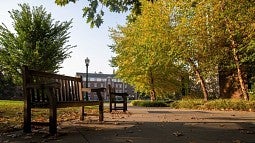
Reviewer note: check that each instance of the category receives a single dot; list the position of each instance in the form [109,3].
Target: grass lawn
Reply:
[11,114]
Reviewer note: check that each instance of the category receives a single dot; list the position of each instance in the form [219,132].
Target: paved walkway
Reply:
[151,125]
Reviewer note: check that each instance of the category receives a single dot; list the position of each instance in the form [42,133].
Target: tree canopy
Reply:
[37,42]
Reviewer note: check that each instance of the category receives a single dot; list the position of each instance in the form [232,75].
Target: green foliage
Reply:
[37,42]
[146,103]
[188,104]
[94,14]
[218,104]
[143,52]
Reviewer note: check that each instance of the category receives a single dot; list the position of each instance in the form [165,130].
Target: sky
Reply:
[91,43]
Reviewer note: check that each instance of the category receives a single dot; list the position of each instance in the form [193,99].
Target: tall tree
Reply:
[37,42]
[234,24]
[144,56]
[192,39]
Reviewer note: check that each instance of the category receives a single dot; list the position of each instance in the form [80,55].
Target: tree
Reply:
[144,56]
[234,24]
[94,15]
[192,41]
[37,42]
[219,29]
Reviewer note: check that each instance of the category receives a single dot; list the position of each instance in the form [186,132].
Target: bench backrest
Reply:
[65,88]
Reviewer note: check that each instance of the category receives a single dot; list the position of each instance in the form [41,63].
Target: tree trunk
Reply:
[239,72]
[152,91]
[203,86]
[153,95]
[201,79]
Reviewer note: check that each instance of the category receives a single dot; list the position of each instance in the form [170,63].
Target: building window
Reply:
[95,84]
[91,79]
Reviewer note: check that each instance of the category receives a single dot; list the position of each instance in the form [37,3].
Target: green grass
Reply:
[11,114]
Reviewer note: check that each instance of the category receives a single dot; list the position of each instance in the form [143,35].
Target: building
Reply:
[98,80]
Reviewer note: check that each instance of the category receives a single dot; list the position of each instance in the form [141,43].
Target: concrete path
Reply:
[150,125]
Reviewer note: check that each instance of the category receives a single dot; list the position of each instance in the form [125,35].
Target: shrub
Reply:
[219,104]
[188,104]
[147,103]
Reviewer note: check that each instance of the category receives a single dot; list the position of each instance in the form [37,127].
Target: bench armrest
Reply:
[97,90]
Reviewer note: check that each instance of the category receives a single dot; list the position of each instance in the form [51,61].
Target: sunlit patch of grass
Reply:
[11,115]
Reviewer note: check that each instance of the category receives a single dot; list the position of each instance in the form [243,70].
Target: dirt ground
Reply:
[149,125]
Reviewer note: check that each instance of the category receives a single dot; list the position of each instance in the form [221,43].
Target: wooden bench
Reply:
[118,101]
[52,91]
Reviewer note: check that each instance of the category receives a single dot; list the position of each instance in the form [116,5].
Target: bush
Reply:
[188,104]
[219,104]
[146,103]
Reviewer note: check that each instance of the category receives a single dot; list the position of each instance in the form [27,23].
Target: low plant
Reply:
[217,104]
[148,103]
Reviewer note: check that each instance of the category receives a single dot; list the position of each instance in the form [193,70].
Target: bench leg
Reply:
[27,119]
[53,121]
[82,113]
[27,113]
[124,107]
[101,111]
[110,106]
[115,106]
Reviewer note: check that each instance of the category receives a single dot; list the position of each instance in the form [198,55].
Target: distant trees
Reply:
[38,42]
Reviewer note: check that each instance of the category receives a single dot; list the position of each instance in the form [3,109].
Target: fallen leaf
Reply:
[222,125]
[177,134]
[236,141]
[129,141]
